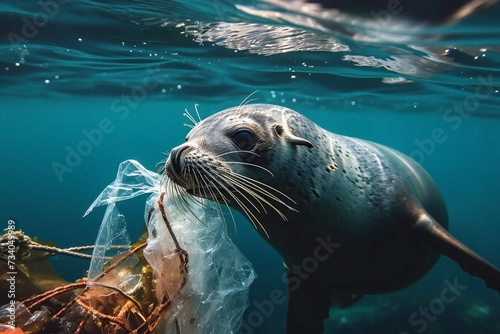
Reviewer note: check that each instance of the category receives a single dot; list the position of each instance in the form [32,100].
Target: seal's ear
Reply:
[298,141]
[294,140]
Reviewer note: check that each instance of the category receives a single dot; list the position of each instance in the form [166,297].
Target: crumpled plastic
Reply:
[215,295]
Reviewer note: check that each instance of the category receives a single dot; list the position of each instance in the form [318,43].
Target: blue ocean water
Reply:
[86,85]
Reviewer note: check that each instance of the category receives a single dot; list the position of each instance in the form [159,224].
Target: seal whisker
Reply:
[243,184]
[253,188]
[196,105]
[251,216]
[191,178]
[200,187]
[215,179]
[162,161]
[175,193]
[247,100]
[237,151]
[190,117]
[212,196]
[261,188]
[253,219]
[224,199]
[229,191]
[179,197]
[180,200]
[163,177]
[245,209]
[250,164]
[187,208]
[161,170]
[197,185]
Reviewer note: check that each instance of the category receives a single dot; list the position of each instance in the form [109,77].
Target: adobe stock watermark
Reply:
[10,258]
[121,107]
[30,26]
[453,118]
[293,277]
[420,319]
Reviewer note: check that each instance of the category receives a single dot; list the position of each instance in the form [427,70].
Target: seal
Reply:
[349,217]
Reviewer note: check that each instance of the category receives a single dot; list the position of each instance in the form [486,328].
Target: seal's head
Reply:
[228,158]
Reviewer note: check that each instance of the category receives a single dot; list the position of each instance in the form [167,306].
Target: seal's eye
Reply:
[244,139]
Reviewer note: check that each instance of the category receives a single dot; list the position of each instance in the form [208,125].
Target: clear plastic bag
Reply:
[212,294]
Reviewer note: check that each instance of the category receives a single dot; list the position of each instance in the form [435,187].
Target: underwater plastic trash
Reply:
[187,277]
[195,265]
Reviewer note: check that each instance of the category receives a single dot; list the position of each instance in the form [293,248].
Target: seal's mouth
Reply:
[175,167]
[197,182]
[175,176]
[175,163]
[197,178]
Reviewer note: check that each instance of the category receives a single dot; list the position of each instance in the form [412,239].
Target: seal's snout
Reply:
[175,161]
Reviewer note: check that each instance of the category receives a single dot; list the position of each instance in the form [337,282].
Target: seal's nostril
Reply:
[175,158]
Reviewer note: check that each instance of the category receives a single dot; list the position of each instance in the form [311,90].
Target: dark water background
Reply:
[421,81]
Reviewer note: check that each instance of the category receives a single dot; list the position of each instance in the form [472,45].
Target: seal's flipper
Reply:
[442,241]
[308,306]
